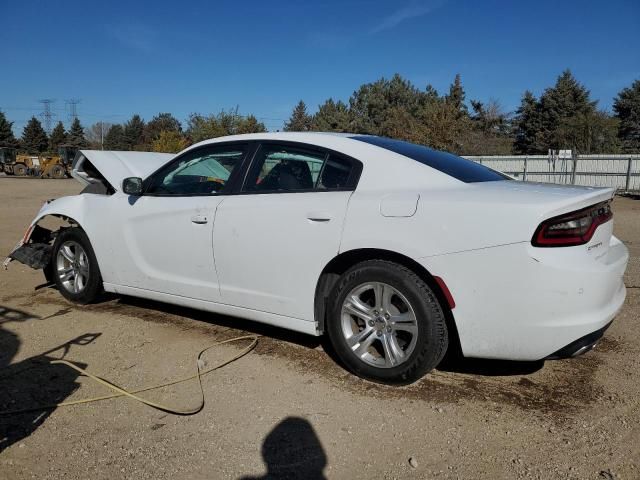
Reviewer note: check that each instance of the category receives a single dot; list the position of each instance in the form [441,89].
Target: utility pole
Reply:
[47,115]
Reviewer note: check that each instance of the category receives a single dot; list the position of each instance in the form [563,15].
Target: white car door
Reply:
[272,239]
[165,243]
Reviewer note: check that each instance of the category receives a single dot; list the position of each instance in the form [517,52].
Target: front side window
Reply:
[284,168]
[204,171]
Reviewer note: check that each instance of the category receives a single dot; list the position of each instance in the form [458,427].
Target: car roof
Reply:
[341,142]
[306,137]
[383,168]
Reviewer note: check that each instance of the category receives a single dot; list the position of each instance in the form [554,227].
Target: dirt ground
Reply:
[287,410]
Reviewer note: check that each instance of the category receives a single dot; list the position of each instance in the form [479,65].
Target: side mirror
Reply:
[132,186]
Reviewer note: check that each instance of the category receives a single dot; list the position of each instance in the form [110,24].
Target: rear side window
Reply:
[454,166]
[288,168]
[335,173]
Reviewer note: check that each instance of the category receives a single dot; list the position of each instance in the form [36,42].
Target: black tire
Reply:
[92,287]
[19,170]
[431,339]
[57,171]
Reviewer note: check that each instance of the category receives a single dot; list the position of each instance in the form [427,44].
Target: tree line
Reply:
[163,133]
[563,117]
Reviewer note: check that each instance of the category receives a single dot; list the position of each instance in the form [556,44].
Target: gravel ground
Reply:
[287,410]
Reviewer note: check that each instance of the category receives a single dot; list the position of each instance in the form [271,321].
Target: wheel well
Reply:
[67,222]
[340,264]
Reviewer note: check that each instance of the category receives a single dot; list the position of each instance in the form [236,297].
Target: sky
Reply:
[119,58]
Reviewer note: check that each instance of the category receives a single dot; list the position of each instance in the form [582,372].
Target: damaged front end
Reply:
[34,249]
[101,173]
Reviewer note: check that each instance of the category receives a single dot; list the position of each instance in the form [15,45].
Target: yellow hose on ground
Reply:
[121,392]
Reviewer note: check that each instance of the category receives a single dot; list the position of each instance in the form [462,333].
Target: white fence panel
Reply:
[621,172]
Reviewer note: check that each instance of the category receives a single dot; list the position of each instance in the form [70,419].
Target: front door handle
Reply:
[199,219]
[319,216]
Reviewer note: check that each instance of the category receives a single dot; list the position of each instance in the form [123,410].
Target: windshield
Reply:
[454,166]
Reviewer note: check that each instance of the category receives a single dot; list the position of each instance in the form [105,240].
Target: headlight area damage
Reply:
[37,252]
[35,248]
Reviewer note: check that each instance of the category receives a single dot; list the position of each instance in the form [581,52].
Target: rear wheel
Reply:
[75,268]
[19,169]
[385,323]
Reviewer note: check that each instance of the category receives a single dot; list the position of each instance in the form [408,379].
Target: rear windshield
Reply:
[454,166]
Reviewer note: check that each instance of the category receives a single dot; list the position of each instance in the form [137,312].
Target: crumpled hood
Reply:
[116,166]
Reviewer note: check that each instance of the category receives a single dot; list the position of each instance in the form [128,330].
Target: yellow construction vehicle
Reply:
[18,164]
[58,166]
[45,166]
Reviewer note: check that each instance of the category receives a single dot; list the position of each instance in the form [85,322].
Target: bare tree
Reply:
[96,133]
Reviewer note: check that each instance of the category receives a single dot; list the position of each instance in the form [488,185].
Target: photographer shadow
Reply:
[30,384]
[292,450]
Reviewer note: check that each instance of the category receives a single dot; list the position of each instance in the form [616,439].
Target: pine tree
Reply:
[114,139]
[7,139]
[58,137]
[627,108]
[566,99]
[134,132]
[456,96]
[332,117]
[527,122]
[34,138]
[376,108]
[163,122]
[75,136]
[300,120]
[249,124]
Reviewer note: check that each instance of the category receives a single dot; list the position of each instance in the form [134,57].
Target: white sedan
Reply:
[397,252]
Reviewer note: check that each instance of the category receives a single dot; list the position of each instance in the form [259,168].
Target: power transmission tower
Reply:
[73,108]
[47,115]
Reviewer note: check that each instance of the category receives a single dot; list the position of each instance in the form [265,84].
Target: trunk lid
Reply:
[550,199]
[546,201]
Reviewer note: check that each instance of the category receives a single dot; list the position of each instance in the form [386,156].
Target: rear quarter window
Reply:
[448,163]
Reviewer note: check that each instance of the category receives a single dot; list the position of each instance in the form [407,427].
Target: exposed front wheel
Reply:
[74,266]
[385,323]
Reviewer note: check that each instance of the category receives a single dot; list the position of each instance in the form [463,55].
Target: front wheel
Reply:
[386,324]
[57,171]
[74,266]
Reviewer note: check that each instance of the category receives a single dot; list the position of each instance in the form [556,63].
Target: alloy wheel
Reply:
[379,324]
[72,266]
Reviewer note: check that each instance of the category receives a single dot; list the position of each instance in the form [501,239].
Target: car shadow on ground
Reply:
[292,450]
[32,382]
[164,312]
[453,362]
[489,368]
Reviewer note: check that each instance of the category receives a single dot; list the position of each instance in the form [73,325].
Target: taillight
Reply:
[575,228]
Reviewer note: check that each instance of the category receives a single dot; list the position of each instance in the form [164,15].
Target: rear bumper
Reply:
[580,346]
[518,302]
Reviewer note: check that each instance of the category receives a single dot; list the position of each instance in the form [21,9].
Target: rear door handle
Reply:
[319,216]
[200,219]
